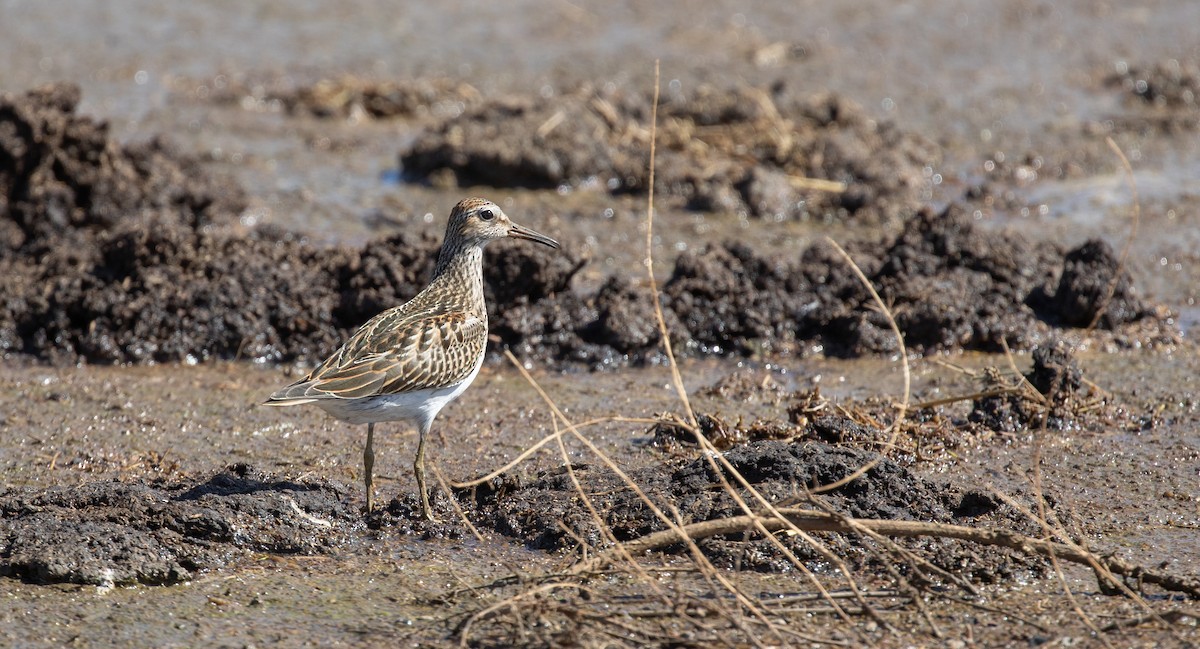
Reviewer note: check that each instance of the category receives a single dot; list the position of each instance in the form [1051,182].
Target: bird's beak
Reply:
[521,232]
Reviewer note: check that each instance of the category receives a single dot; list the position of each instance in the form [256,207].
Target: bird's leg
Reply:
[419,470]
[369,466]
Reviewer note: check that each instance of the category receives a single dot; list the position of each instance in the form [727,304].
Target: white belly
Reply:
[418,407]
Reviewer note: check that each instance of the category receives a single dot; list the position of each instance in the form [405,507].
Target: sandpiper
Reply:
[408,362]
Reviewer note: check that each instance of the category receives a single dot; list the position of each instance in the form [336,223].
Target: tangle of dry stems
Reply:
[766,518]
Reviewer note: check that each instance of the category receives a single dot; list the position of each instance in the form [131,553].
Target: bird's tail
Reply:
[292,395]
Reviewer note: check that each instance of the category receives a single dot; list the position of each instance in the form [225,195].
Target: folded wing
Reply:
[394,352]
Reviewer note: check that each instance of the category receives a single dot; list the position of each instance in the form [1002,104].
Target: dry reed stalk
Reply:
[1135,219]
[903,408]
[707,448]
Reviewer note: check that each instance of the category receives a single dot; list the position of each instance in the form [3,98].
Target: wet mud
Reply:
[108,533]
[107,263]
[164,531]
[161,532]
[171,527]
[983,203]
[742,149]
[554,510]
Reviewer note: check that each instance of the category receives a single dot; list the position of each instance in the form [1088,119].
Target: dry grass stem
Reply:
[817,184]
[745,601]
[664,334]
[819,521]
[902,409]
[437,474]
[1134,221]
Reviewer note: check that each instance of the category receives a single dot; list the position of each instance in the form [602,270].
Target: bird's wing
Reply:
[395,352]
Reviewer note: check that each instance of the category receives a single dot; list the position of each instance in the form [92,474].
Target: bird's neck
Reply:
[460,269]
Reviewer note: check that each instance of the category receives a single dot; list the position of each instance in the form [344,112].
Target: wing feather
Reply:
[395,352]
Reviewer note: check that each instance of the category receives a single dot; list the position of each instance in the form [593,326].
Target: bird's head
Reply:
[478,221]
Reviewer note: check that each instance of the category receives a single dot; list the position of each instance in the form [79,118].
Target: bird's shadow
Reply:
[243,478]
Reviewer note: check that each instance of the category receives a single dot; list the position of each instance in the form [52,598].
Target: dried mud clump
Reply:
[61,175]
[1058,402]
[547,513]
[131,254]
[1093,290]
[350,97]
[1168,84]
[746,149]
[114,533]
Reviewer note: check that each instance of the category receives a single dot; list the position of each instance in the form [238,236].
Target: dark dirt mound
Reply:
[146,293]
[350,97]
[1058,380]
[949,284]
[625,320]
[108,533]
[547,513]
[1093,290]
[132,254]
[751,150]
[142,294]
[1167,84]
[62,175]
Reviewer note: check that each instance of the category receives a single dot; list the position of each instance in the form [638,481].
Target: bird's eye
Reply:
[487,215]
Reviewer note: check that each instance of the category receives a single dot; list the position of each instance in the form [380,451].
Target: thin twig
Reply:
[903,407]
[745,601]
[676,377]
[1135,219]
[818,521]
[437,474]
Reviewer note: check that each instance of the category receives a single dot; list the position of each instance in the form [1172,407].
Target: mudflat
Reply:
[197,204]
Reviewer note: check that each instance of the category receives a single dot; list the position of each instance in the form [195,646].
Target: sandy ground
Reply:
[989,83]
